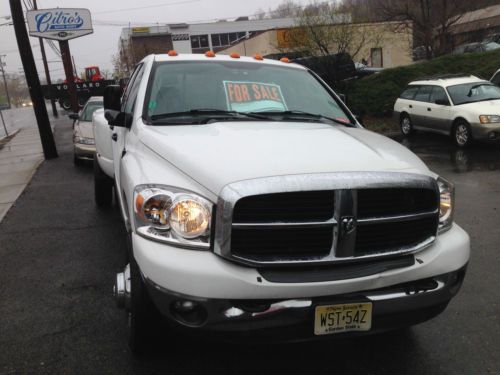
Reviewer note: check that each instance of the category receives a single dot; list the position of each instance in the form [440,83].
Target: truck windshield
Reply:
[185,90]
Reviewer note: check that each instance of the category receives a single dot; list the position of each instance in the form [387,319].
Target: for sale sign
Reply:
[254,97]
[59,23]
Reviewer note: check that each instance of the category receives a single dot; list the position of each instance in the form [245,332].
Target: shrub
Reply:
[375,95]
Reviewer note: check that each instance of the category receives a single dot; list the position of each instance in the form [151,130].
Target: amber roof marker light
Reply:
[235,55]
[285,60]
[172,53]
[258,56]
[210,54]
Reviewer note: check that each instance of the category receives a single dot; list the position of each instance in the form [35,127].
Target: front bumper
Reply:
[83,151]
[490,132]
[293,320]
[234,298]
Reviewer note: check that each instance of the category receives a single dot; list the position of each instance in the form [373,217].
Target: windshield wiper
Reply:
[209,114]
[291,113]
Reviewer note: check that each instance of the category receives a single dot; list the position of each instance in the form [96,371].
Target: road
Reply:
[60,254]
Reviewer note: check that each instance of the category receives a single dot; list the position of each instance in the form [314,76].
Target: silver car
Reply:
[83,132]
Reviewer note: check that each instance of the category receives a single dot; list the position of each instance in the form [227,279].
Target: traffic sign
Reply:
[59,23]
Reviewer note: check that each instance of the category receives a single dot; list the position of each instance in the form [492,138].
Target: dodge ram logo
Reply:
[348,224]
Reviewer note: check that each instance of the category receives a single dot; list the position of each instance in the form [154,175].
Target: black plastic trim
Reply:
[333,273]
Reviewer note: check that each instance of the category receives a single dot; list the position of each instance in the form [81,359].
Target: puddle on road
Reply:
[438,150]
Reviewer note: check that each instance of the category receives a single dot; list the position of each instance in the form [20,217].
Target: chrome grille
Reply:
[323,218]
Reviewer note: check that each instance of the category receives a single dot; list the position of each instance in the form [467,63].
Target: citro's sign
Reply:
[59,23]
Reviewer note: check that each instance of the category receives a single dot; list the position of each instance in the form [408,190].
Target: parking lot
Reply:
[60,255]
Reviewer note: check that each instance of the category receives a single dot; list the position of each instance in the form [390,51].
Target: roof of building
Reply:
[480,14]
[209,27]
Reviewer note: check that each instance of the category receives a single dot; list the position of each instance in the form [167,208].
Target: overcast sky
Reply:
[97,48]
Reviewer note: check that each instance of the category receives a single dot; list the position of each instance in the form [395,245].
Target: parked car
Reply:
[255,203]
[496,78]
[363,70]
[420,53]
[476,47]
[332,68]
[465,107]
[83,132]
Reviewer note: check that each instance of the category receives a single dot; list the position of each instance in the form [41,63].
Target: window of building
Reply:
[226,39]
[199,41]
[215,40]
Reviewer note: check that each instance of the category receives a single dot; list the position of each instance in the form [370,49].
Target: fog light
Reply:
[189,313]
[185,306]
[492,135]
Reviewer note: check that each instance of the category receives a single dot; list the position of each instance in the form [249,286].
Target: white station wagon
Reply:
[465,107]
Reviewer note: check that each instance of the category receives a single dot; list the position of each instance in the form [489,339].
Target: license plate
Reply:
[349,317]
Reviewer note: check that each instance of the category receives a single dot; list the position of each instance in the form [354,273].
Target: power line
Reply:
[147,7]
[126,23]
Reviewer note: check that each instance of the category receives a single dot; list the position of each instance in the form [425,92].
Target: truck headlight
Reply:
[488,119]
[446,204]
[172,215]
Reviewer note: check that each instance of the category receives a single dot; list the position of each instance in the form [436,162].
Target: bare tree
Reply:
[287,9]
[323,29]
[432,20]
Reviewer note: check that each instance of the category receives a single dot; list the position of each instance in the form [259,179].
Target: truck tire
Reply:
[66,104]
[143,318]
[103,186]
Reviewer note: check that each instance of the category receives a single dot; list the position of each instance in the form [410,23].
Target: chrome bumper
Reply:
[396,306]
[83,151]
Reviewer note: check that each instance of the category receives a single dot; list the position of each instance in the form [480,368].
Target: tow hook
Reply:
[121,289]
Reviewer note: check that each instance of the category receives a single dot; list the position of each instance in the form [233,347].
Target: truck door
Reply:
[119,134]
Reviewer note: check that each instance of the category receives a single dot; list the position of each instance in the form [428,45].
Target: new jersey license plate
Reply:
[349,317]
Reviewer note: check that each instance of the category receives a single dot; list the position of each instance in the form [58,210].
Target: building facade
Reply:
[381,44]
[137,42]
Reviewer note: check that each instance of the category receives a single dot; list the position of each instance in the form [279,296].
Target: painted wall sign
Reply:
[59,23]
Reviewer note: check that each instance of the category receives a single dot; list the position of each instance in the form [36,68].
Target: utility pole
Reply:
[70,78]
[47,72]
[4,80]
[35,89]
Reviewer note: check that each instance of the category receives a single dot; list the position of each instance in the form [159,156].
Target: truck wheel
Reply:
[461,134]
[66,104]
[405,125]
[103,186]
[143,318]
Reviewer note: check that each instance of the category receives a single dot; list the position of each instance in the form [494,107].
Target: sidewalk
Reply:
[19,159]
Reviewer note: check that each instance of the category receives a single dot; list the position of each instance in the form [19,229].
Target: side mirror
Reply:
[117,118]
[442,102]
[74,116]
[113,97]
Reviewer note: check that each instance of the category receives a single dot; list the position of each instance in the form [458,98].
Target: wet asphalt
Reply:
[59,255]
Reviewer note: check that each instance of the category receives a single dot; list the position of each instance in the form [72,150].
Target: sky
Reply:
[109,16]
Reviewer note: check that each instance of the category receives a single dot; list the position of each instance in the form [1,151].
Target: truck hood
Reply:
[220,153]
[489,107]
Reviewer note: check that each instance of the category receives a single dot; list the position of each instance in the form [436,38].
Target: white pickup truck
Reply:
[255,201]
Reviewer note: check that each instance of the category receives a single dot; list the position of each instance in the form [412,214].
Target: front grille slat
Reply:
[300,226]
